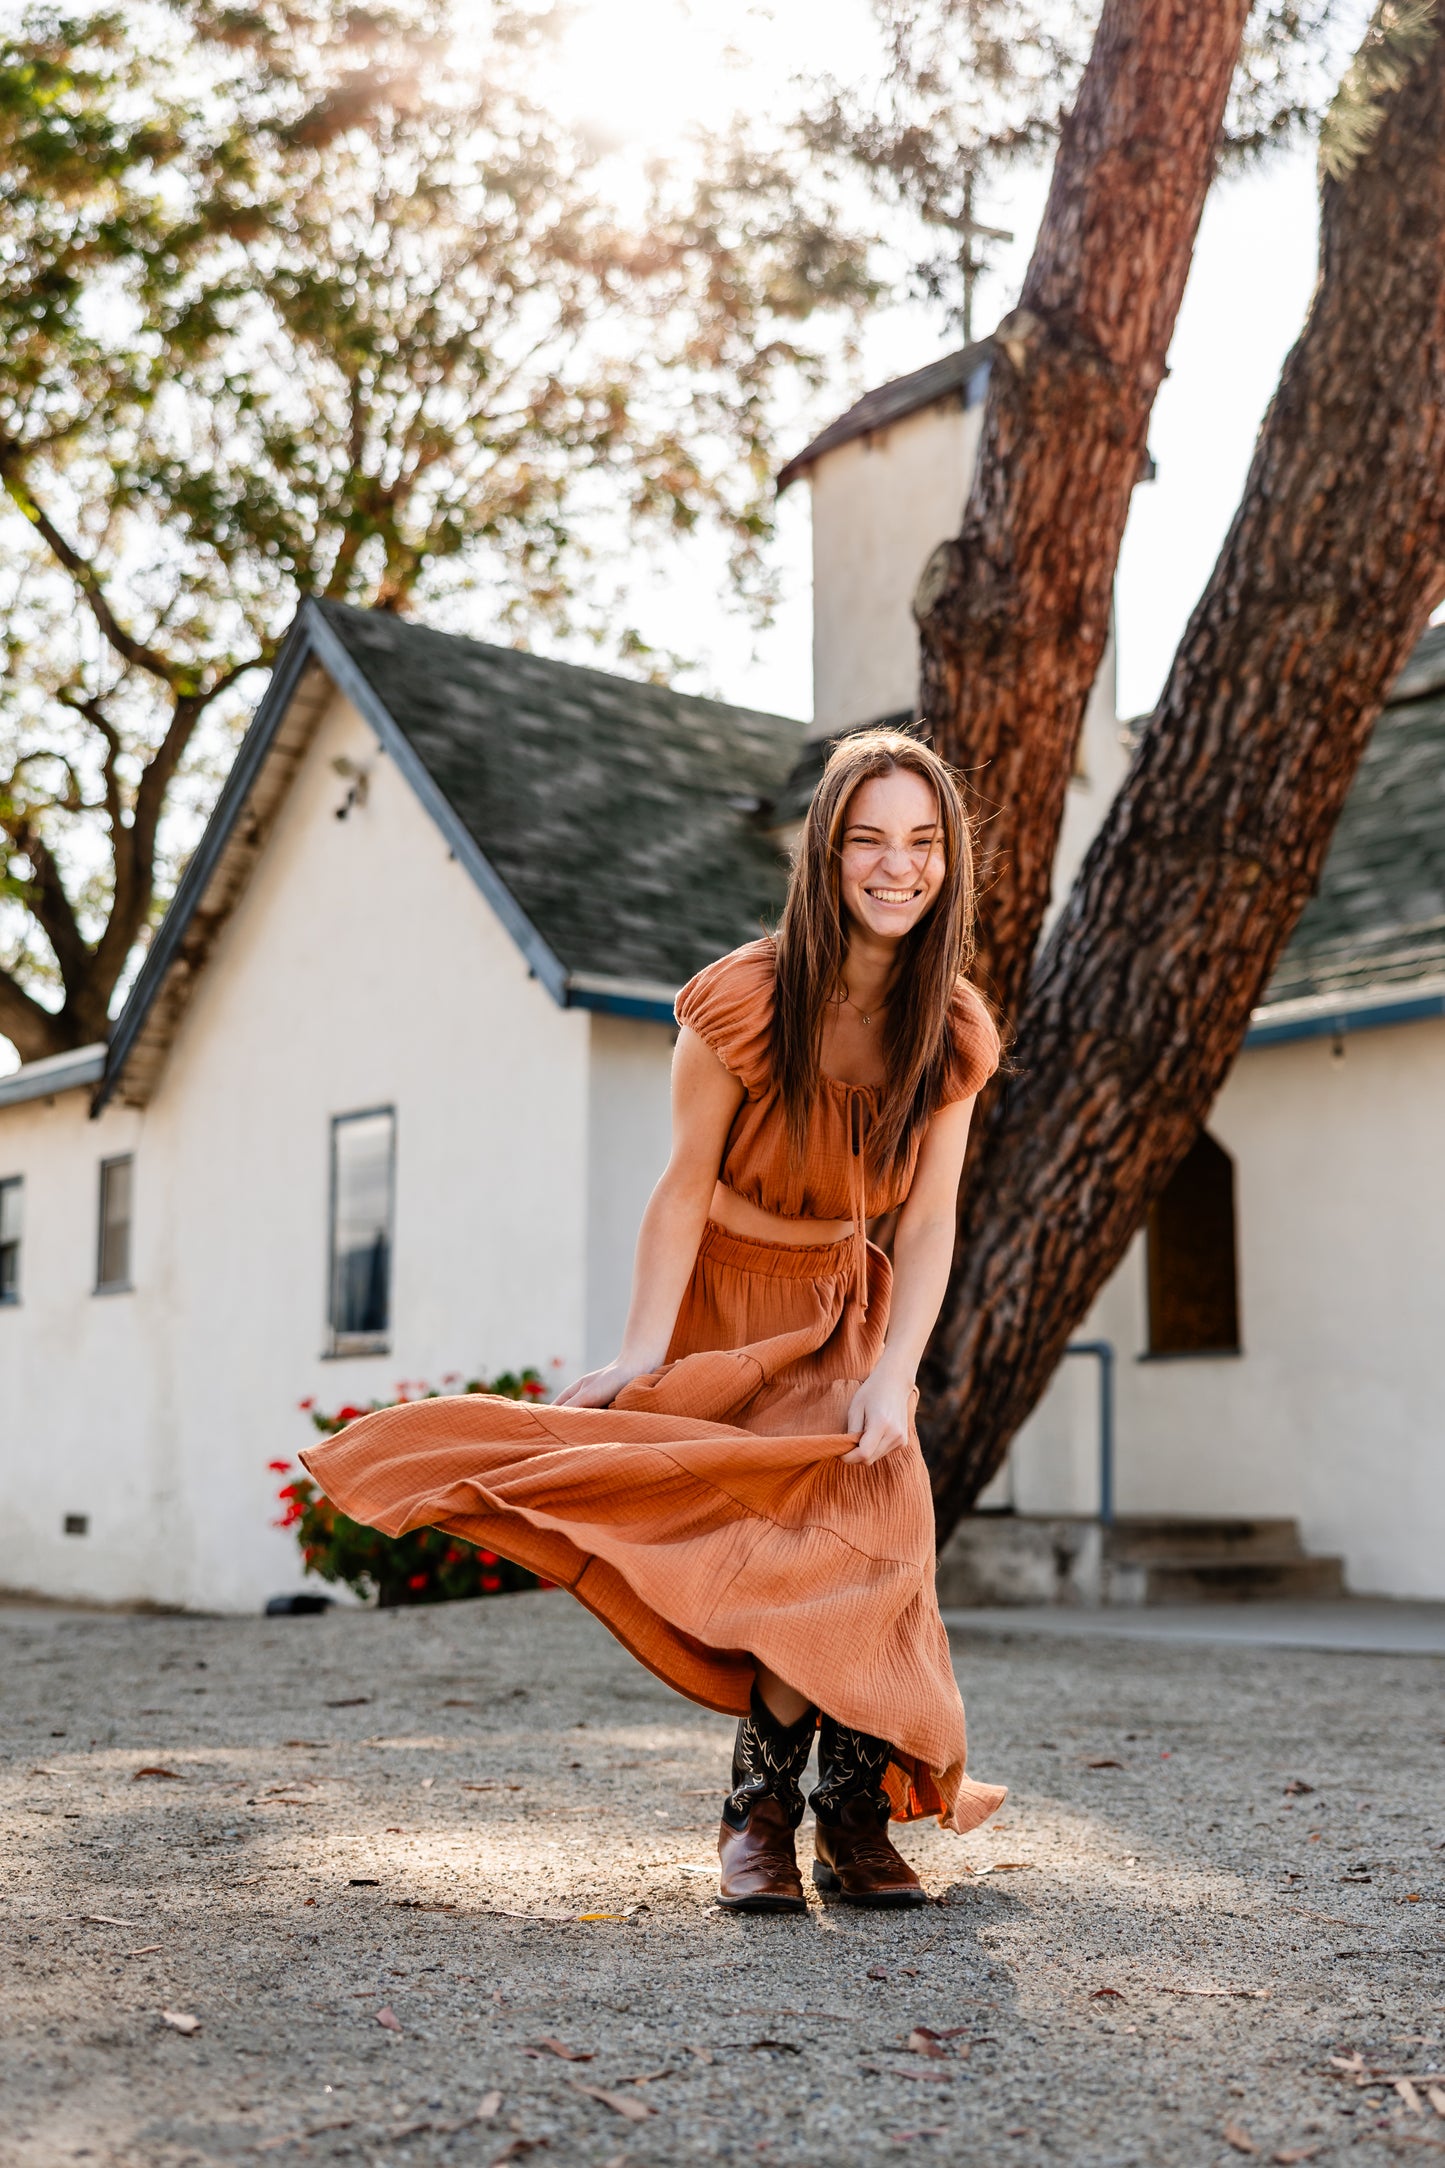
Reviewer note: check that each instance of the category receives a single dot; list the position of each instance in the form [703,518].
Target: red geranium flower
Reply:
[307,1404]
[534,1388]
[418,1580]
[491,1582]
[279,1467]
[488,1558]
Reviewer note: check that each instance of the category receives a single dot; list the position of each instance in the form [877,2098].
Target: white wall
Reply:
[361,968]
[629,1124]
[1335,1411]
[881,506]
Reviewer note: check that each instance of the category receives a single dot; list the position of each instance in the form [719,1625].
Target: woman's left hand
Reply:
[881,1409]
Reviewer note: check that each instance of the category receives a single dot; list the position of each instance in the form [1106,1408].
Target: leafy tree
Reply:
[309,297]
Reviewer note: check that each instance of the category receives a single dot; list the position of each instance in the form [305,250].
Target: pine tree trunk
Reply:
[1014,613]
[1143,994]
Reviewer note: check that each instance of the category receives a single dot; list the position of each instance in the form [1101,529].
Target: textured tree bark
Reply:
[1014,613]
[1142,996]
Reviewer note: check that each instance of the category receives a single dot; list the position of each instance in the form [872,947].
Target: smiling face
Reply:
[892,861]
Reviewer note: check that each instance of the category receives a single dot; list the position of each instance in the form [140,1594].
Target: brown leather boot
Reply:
[856,1862]
[761,1812]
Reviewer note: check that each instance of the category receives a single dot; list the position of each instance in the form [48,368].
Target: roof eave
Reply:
[1335,1016]
[970,386]
[646,1000]
[53,1073]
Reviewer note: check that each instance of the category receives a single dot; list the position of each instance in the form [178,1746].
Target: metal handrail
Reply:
[1103,1351]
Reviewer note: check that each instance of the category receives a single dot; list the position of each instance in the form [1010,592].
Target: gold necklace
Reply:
[850,1003]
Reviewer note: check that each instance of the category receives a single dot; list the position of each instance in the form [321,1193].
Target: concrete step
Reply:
[1155,1539]
[1243,1580]
[1022,1558]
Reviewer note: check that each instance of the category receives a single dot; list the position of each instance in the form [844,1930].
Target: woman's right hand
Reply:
[599,1388]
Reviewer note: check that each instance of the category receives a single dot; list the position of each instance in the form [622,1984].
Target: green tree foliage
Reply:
[305,297]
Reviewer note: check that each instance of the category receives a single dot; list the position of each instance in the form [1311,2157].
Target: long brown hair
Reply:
[811,946]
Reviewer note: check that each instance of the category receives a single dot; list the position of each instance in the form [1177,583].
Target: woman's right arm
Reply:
[705,1099]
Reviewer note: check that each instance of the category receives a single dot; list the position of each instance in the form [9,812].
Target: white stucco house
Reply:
[387,1098]
[391,1089]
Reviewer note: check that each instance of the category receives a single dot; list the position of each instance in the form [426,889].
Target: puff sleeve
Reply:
[974,1043]
[730,1006]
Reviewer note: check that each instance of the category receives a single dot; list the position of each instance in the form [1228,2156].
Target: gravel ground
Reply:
[391,1862]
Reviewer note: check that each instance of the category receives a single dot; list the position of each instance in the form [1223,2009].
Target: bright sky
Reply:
[644,71]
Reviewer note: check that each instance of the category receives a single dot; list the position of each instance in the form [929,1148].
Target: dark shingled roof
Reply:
[618,830]
[952,376]
[621,816]
[1378,916]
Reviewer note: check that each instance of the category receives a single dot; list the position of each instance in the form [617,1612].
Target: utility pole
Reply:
[971,264]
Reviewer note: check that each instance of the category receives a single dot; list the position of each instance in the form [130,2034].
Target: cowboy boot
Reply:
[761,1812]
[855,1860]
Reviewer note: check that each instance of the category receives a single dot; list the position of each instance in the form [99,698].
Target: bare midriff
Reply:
[753,1224]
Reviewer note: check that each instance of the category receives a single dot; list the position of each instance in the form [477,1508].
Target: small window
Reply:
[1193,1273]
[12,1197]
[117,1186]
[363,1153]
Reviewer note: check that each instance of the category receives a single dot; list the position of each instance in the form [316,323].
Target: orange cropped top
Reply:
[730,1006]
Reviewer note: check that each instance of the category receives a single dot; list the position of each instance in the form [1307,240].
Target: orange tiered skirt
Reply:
[708,1517]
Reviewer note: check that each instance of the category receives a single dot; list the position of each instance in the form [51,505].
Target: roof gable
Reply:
[611,825]
[963,376]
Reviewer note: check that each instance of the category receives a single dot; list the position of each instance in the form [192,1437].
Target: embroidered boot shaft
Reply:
[768,1760]
[850,1766]
[856,1862]
[761,1812]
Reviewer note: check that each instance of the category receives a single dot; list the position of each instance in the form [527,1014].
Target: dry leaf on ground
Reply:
[487,2106]
[1289,2155]
[312,2130]
[1239,2139]
[172,1775]
[628,2104]
[1105,1761]
[557,2047]
[923,2041]
[1435,2094]
[1409,2095]
[387,2016]
[181,2021]
[1110,1994]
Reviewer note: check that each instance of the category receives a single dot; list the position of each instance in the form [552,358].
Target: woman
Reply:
[740,1496]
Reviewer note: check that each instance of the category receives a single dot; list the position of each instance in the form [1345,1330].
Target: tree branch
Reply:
[35,1031]
[1143,995]
[87,580]
[1014,613]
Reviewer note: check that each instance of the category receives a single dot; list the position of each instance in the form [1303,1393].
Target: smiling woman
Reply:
[740,1495]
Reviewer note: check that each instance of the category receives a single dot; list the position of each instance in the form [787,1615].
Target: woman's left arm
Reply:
[922,1259]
